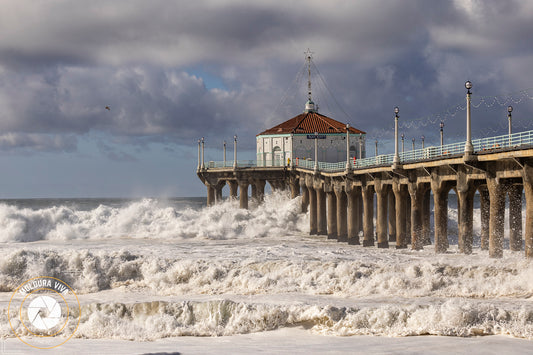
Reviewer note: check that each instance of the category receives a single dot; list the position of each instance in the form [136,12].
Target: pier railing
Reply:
[505,142]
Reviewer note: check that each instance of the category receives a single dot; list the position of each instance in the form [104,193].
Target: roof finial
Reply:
[310,105]
[308,57]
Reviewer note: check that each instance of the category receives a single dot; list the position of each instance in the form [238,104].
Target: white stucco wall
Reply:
[332,149]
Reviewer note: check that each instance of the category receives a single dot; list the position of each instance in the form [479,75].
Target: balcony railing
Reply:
[505,142]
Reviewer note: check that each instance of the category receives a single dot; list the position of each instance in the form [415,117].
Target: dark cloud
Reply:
[61,63]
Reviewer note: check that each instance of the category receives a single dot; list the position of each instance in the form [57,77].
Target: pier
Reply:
[340,196]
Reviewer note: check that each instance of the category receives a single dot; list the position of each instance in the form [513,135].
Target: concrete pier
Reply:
[341,203]
[342,223]
[332,214]
[368,215]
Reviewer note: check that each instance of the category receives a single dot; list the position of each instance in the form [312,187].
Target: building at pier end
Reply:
[295,139]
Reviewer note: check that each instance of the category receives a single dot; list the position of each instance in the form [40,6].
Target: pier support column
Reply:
[243,194]
[497,214]
[368,215]
[258,189]
[392,216]
[515,217]
[322,226]
[440,202]
[465,201]
[312,211]
[210,194]
[353,195]
[342,225]
[294,184]
[426,218]
[484,202]
[305,196]
[359,211]
[416,191]
[233,186]
[332,213]
[382,192]
[408,236]
[218,191]
[527,179]
[400,199]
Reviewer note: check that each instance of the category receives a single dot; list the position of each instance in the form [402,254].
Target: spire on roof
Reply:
[309,105]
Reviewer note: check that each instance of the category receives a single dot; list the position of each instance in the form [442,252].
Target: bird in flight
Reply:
[108,108]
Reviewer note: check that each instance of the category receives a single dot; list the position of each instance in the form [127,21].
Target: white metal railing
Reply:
[484,145]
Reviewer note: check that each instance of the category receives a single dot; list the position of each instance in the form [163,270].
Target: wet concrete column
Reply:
[353,206]
[259,189]
[218,191]
[233,188]
[527,179]
[426,217]
[294,184]
[359,211]
[440,203]
[484,202]
[305,196]
[465,202]
[332,214]
[210,195]
[497,215]
[368,215]
[407,207]
[400,199]
[312,211]
[342,223]
[392,216]
[515,217]
[416,192]
[382,193]
[322,226]
[243,194]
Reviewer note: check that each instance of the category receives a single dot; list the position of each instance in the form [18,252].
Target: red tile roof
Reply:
[310,122]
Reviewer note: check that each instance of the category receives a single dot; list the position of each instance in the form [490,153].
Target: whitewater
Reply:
[158,275]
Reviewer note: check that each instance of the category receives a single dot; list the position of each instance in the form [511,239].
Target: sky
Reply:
[174,71]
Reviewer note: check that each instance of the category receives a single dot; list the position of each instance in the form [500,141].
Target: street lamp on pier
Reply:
[234,151]
[316,152]
[510,118]
[376,147]
[423,138]
[441,133]
[413,144]
[469,148]
[396,159]
[224,153]
[403,146]
[203,144]
[347,147]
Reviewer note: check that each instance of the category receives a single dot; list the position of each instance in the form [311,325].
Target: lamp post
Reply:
[203,165]
[347,147]
[316,152]
[403,137]
[469,148]
[224,153]
[510,118]
[396,159]
[413,144]
[292,149]
[234,151]
[376,141]
[360,145]
[423,138]
[441,133]
[199,157]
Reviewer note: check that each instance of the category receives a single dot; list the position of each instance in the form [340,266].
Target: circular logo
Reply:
[44,312]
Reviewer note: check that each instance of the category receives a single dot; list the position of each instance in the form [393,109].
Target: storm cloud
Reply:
[176,71]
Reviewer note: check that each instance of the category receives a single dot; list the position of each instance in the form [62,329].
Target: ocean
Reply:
[174,276]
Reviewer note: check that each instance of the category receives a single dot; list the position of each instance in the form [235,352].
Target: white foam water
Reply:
[145,271]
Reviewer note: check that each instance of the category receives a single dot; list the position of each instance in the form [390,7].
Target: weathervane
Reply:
[308,56]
